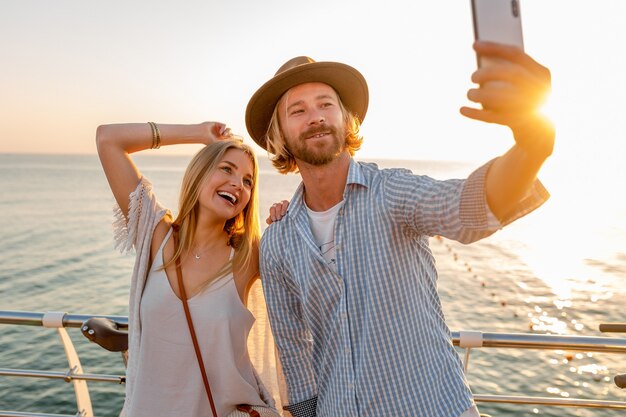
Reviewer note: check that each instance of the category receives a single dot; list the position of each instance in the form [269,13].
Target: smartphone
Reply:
[497,21]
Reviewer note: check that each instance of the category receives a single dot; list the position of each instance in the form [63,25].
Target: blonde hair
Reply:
[284,161]
[243,230]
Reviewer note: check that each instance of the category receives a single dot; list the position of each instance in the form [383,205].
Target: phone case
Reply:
[497,21]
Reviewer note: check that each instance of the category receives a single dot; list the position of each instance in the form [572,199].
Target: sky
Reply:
[68,66]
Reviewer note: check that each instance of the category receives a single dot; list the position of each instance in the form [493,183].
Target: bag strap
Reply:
[246,408]
[183,297]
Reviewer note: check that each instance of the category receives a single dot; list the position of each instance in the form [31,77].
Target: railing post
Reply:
[54,319]
[468,340]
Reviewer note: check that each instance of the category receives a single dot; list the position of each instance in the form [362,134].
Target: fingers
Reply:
[498,50]
[512,118]
[528,83]
[488,116]
[507,97]
[226,132]
[516,57]
[216,131]
[284,205]
[221,131]
[512,87]
[277,211]
[508,53]
[510,81]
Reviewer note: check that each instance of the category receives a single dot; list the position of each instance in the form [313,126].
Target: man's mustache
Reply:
[316,130]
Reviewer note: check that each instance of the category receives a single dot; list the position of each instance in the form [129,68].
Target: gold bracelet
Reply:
[156,136]
[151,124]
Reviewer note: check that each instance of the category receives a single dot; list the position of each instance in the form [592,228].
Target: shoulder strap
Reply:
[183,297]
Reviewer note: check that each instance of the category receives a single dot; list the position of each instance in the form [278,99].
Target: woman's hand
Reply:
[277,211]
[214,131]
[115,142]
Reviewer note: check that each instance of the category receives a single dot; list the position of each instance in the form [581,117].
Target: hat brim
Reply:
[349,84]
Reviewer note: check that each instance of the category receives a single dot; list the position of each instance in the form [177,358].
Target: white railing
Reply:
[74,374]
[472,340]
[463,339]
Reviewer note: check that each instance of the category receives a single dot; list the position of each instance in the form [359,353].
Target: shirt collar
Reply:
[355,176]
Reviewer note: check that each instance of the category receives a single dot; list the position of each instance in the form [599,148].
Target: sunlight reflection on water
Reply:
[539,275]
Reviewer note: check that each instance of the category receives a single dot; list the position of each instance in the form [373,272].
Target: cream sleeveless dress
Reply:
[168,381]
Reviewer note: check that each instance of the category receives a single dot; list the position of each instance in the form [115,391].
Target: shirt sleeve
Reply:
[456,209]
[292,336]
[474,210]
[306,408]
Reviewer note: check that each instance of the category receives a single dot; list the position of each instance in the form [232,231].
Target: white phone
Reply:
[497,21]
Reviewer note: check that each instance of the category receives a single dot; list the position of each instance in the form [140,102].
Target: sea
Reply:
[552,272]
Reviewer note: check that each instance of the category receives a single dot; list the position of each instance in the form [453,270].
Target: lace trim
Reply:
[125,230]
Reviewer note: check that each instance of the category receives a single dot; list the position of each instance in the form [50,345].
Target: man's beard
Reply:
[317,155]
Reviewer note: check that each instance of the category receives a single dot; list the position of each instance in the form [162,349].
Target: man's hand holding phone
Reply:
[512,94]
[512,86]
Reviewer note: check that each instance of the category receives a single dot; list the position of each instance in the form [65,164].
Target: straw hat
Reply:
[347,82]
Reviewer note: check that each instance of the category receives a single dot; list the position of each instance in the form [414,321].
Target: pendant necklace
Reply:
[196,255]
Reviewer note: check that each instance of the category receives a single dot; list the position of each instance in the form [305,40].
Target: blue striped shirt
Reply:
[370,339]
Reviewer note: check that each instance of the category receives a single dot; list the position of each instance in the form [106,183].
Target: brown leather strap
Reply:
[246,408]
[183,297]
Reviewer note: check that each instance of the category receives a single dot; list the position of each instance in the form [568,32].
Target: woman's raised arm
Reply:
[115,143]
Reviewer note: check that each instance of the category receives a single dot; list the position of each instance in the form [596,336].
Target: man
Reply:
[349,278]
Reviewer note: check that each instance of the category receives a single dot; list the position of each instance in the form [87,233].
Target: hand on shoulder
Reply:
[277,211]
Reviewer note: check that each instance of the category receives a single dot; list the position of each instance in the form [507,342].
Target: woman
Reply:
[217,249]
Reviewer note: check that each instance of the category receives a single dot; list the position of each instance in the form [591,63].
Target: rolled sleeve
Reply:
[474,209]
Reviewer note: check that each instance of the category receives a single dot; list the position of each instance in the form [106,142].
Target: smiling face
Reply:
[227,190]
[312,123]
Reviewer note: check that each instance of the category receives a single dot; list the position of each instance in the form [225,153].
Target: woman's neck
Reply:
[210,235]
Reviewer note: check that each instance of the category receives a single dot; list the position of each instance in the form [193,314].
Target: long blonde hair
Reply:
[281,157]
[243,230]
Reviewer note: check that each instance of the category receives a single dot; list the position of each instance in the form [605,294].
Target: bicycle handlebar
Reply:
[613,327]
[105,332]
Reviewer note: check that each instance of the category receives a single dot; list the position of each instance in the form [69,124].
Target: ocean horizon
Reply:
[535,276]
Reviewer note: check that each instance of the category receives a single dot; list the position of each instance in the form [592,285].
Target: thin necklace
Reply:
[196,255]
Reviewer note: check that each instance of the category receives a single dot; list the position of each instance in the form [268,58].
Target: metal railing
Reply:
[464,339]
[74,374]
[31,318]
[471,340]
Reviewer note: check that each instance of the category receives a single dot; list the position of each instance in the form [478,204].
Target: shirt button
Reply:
[350,386]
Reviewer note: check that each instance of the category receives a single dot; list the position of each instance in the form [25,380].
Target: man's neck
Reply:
[324,185]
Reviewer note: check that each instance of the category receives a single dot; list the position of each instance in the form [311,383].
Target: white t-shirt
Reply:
[323,228]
